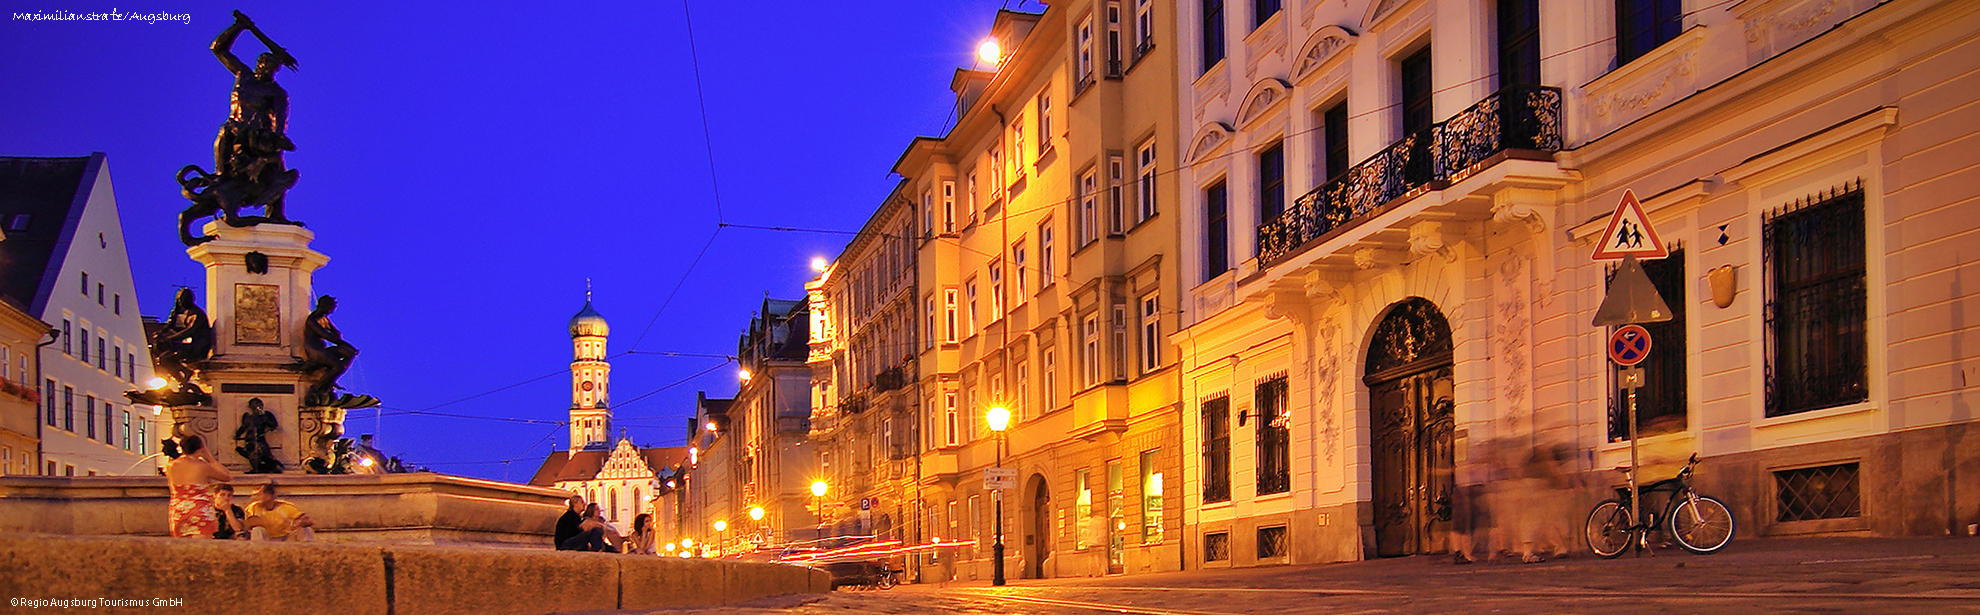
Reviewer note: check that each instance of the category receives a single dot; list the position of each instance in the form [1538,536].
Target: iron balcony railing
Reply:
[1520,117]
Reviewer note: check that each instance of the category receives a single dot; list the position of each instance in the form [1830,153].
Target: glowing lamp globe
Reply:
[998,417]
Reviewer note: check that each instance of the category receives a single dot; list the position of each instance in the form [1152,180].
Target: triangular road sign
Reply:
[1629,233]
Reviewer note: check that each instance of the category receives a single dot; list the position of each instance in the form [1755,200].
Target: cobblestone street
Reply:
[1751,576]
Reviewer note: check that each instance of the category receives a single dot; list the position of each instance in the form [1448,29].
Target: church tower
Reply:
[591,405]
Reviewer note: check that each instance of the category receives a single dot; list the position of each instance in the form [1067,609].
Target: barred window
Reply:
[1274,437]
[1217,450]
[1217,547]
[1271,542]
[1817,304]
[1661,405]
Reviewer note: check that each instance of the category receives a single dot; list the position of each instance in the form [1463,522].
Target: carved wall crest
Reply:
[1641,98]
[1510,345]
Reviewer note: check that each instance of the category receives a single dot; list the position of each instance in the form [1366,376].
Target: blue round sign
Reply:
[1629,345]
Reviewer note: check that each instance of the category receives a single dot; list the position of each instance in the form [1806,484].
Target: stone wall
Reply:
[417,508]
[224,577]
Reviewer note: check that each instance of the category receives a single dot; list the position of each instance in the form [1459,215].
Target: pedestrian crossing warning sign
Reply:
[1629,233]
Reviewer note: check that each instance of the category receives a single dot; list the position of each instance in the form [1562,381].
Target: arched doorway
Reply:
[1038,534]
[1411,418]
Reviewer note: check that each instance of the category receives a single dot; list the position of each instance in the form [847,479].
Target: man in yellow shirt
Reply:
[273,519]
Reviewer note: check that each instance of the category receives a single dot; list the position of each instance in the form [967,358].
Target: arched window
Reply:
[615,504]
[637,503]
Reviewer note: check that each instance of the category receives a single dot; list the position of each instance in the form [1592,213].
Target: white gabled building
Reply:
[65,259]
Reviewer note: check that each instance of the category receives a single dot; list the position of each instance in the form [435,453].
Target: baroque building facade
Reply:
[65,261]
[1388,215]
[750,466]
[865,401]
[1043,241]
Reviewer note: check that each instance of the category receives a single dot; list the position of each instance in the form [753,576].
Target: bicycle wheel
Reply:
[1703,528]
[1608,529]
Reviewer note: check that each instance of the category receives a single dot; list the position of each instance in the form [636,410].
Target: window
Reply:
[85,284]
[930,311]
[1519,42]
[1661,403]
[970,204]
[1213,33]
[100,345]
[1262,10]
[970,296]
[69,409]
[1017,142]
[99,294]
[1089,335]
[1272,183]
[1114,63]
[117,362]
[949,203]
[1018,270]
[67,345]
[1023,372]
[1334,144]
[1216,231]
[1151,498]
[84,330]
[928,215]
[976,517]
[1274,437]
[1827,492]
[1083,509]
[117,304]
[1145,173]
[1217,547]
[949,312]
[143,441]
[48,395]
[1116,195]
[89,417]
[1045,262]
[998,179]
[18,223]
[109,423]
[1117,350]
[1416,117]
[1083,54]
[1151,333]
[1089,229]
[1116,518]
[1044,123]
[1642,25]
[1144,28]
[1816,304]
[130,366]
[996,290]
[1217,450]
[1272,542]
[949,418]
[1051,379]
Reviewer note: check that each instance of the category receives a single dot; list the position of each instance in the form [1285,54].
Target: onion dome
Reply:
[588,322]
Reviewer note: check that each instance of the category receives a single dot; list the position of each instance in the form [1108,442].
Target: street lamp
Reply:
[990,52]
[756,513]
[818,489]
[721,526]
[999,418]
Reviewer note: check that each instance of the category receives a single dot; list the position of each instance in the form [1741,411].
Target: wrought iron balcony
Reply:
[1515,118]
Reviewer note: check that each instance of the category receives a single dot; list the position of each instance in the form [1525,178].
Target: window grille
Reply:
[1271,542]
[1274,436]
[1817,347]
[1217,547]
[1217,450]
[1826,492]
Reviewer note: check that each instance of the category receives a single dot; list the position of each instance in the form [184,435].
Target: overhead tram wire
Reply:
[707,140]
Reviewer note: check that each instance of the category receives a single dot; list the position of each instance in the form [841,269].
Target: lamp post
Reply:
[999,418]
[818,489]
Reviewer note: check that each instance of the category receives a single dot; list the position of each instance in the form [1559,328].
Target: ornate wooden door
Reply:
[1411,423]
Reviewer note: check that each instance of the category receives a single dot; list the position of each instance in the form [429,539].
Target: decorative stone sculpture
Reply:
[176,351]
[251,439]
[247,156]
[326,356]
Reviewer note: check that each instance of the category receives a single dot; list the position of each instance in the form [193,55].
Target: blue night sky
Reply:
[467,168]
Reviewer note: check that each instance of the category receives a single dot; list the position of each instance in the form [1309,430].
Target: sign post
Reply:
[1631,300]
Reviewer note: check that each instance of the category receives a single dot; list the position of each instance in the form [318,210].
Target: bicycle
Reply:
[1698,523]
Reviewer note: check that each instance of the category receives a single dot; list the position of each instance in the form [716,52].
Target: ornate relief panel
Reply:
[1265,96]
[1773,26]
[1208,140]
[1212,88]
[1512,343]
[1663,76]
[1326,45]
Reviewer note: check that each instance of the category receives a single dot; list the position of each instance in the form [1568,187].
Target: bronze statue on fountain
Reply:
[247,156]
[326,356]
[252,439]
[177,351]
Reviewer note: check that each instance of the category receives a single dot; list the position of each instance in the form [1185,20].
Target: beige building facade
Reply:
[20,400]
[1386,235]
[750,453]
[1043,244]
